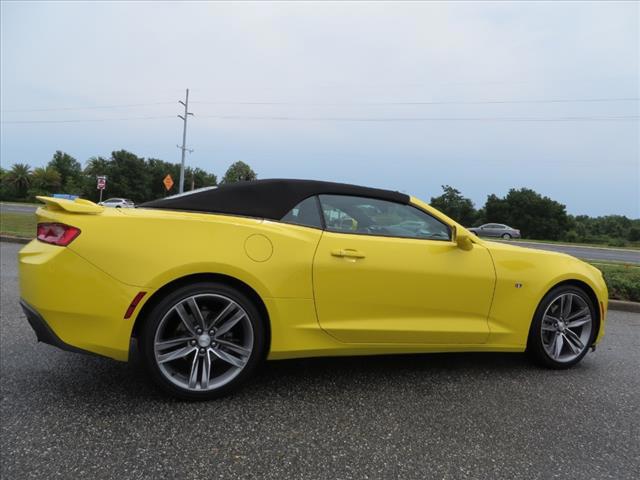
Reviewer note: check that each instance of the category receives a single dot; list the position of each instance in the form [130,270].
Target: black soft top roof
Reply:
[271,198]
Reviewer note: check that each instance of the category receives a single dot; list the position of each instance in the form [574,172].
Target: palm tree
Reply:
[96,166]
[46,180]
[20,177]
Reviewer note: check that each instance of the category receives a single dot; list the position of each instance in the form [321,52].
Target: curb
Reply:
[624,306]
[9,238]
[613,304]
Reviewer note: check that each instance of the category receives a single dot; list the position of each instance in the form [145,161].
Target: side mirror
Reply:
[463,240]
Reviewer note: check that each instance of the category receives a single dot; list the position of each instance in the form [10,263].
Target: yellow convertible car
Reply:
[213,282]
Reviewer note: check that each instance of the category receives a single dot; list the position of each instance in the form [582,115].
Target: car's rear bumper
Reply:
[43,331]
[72,304]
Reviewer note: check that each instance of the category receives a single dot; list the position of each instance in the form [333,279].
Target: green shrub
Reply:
[623,281]
[571,236]
[617,242]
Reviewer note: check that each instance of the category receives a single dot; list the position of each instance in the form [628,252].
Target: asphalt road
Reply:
[589,253]
[17,208]
[453,416]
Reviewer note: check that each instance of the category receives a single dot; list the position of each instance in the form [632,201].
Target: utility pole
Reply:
[184,139]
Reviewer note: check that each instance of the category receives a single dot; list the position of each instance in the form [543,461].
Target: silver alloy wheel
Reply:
[506,236]
[566,327]
[203,342]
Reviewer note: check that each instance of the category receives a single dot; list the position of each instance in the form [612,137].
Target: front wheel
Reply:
[563,328]
[202,341]
[506,236]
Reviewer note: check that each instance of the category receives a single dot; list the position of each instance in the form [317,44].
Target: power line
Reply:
[426,119]
[94,107]
[352,119]
[333,104]
[86,120]
[419,103]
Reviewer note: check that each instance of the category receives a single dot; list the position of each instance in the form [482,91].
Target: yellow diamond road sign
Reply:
[168,182]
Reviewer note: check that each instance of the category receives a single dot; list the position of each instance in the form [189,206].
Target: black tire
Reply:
[152,322]
[535,348]
[506,236]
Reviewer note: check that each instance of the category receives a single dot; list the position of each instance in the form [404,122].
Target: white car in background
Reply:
[118,203]
[496,230]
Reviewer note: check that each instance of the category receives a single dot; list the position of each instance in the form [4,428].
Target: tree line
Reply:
[128,176]
[538,217]
[140,179]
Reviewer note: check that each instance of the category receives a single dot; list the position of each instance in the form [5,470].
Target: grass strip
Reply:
[18,224]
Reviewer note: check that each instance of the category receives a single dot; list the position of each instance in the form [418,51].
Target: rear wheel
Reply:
[563,328]
[203,341]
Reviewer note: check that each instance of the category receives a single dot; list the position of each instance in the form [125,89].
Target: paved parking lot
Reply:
[476,416]
[17,208]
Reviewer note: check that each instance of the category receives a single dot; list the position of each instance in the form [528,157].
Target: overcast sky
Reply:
[407,96]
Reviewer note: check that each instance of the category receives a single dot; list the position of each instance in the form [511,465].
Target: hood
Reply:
[506,247]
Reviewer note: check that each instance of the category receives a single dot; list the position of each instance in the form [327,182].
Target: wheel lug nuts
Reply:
[193,342]
[202,350]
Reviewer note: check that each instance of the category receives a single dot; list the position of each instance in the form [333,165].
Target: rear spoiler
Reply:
[79,205]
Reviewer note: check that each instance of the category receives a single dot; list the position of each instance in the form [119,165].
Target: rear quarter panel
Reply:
[145,249]
[150,248]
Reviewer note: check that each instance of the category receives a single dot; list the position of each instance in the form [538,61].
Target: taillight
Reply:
[57,233]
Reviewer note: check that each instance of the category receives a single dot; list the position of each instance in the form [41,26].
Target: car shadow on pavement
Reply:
[94,379]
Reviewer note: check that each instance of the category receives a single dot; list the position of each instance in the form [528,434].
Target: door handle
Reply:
[347,252]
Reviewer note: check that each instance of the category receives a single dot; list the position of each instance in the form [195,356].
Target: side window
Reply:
[337,219]
[305,213]
[370,216]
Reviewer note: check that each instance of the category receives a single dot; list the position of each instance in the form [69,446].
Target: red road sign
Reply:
[102,183]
